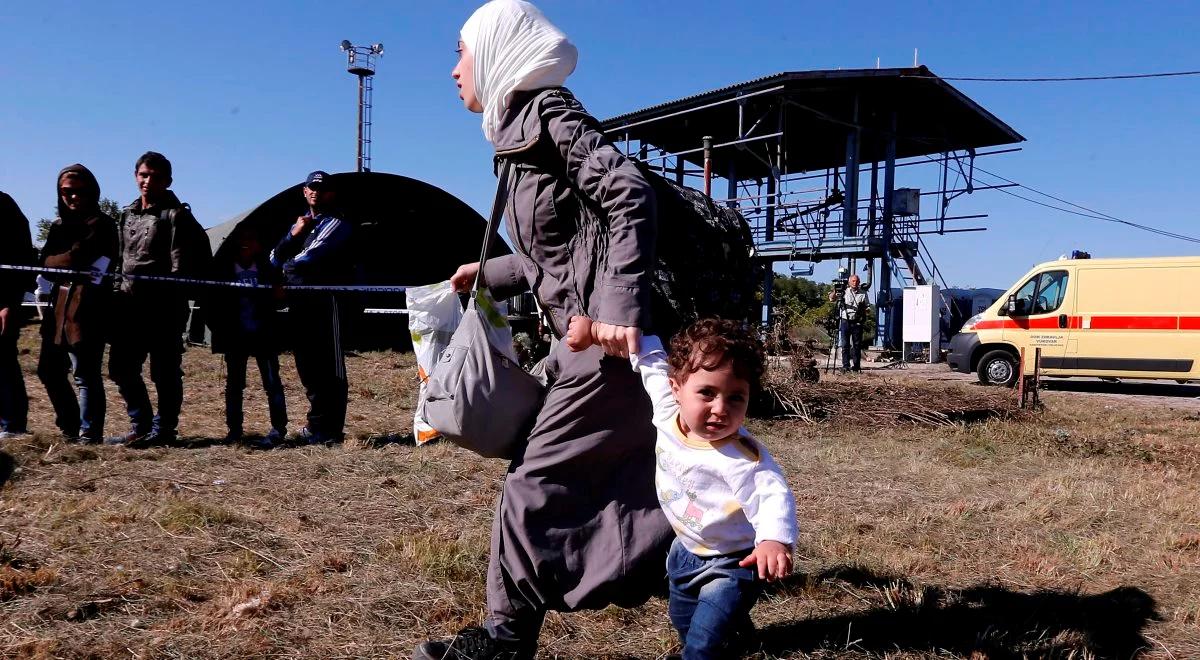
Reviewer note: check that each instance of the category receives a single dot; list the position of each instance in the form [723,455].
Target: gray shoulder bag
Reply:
[476,396]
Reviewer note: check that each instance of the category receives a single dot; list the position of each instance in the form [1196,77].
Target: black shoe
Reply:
[153,439]
[233,437]
[471,643]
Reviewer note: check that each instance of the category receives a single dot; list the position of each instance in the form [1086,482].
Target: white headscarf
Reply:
[516,49]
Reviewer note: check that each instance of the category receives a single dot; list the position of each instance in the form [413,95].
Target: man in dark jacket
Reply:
[244,323]
[314,251]
[16,249]
[158,236]
[82,238]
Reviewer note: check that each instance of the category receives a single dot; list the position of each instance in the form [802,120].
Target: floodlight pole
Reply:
[360,61]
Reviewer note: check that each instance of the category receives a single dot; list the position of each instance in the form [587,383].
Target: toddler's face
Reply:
[712,404]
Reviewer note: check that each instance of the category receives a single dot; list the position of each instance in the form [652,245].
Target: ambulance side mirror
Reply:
[1016,307]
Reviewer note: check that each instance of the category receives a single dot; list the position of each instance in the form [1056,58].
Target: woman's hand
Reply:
[464,277]
[579,334]
[618,340]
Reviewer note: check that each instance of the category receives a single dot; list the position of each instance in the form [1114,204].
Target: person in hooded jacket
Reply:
[16,249]
[578,525]
[83,238]
[158,236]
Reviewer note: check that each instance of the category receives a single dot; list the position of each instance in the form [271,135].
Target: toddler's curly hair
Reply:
[709,343]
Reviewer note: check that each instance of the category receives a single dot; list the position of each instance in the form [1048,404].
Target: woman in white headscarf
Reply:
[578,524]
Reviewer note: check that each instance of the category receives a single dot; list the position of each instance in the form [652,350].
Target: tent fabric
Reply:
[406,232]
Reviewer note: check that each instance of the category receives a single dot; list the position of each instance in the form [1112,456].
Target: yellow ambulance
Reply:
[1112,318]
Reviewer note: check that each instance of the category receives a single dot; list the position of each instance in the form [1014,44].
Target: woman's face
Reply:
[464,76]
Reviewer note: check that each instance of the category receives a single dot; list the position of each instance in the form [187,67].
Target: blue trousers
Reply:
[235,388]
[850,340]
[710,601]
[81,414]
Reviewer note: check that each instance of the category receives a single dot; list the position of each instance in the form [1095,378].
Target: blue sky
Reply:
[247,97]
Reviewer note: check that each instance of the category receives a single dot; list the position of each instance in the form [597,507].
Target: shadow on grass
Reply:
[983,621]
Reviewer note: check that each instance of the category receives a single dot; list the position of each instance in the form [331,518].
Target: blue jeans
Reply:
[83,415]
[850,340]
[710,601]
[235,388]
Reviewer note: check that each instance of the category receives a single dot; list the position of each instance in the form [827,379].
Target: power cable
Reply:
[1090,213]
[1153,230]
[1131,76]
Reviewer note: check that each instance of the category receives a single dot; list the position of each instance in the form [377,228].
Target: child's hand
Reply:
[773,559]
[579,333]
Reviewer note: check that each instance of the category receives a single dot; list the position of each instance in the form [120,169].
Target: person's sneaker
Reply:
[471,643]
[276,436]
[117,440]
[153,439]
[13,435]
[307,436]
[90,440]
[258,442]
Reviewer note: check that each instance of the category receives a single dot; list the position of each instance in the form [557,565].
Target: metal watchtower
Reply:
[360,61]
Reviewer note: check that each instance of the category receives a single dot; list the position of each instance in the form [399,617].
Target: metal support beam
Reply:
[850,206]
[884,319]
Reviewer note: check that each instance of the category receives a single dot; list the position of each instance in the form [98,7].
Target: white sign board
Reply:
[922,316]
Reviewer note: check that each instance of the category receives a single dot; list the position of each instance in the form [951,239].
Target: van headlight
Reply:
[970,324]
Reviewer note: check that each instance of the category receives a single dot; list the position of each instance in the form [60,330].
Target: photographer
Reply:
[852,313]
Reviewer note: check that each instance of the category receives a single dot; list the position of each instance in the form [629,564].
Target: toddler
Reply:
[733,514]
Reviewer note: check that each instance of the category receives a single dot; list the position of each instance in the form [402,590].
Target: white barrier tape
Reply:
[203,282]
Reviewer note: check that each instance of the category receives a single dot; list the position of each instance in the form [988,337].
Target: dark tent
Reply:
[406,232]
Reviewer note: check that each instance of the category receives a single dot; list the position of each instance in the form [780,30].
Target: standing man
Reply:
[16,249]
[158,236]
[316,251]
[852,312]
[82,238]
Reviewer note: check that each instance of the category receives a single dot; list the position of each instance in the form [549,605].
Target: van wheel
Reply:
[998,368]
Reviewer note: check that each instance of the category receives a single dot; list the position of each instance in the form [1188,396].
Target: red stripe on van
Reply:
[1189,323]
[1135,323]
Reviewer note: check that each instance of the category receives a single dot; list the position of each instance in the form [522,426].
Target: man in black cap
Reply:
[315,251]
[158,236]
[16,249]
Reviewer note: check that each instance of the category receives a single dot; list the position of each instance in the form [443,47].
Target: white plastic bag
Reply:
[434,312]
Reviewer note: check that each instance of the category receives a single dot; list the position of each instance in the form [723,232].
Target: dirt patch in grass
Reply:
[1072,533]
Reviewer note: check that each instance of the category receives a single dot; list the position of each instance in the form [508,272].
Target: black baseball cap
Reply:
[316,180]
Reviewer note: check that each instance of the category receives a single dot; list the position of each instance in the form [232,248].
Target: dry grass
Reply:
[1072,534]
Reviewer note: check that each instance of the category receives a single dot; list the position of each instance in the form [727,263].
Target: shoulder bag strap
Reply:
[493,221]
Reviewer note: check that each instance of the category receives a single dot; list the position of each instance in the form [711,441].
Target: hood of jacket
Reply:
[91,205]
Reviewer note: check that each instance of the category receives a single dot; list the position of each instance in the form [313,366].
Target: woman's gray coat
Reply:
[578,524]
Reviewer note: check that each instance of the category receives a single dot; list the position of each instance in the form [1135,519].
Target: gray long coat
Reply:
[581,215]
[578,524]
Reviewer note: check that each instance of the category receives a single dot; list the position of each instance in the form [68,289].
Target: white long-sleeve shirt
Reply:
[720,497]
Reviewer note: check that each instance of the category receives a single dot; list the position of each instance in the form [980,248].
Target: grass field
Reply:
[1074,533]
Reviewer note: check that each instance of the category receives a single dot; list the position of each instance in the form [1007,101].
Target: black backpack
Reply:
[704,264]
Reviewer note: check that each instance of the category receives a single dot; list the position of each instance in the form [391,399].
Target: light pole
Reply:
[360,61]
